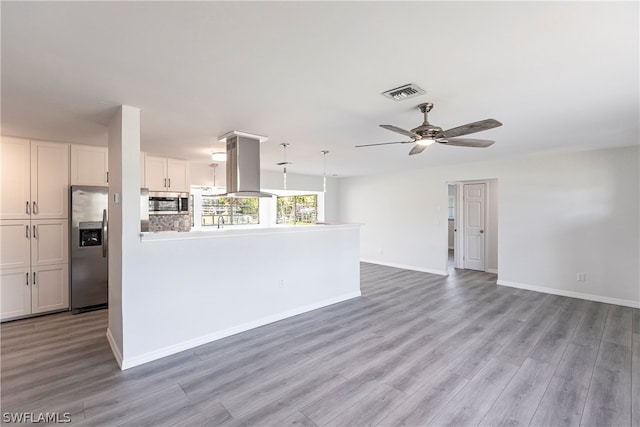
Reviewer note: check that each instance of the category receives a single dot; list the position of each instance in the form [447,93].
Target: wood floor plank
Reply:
[337,400]
[371,409]
[471,404]
[619,325]
[518,402]
[297,419]
[422,406]
[272,388]
[281,405]
[609,399]
[565,397]
[520,346]
[589,331]
[635,381]
[201,412]
[146,406]
[553,343]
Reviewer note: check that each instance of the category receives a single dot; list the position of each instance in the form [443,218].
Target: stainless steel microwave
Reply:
[166,203]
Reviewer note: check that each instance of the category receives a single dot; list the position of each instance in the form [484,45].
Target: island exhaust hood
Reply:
[243,164]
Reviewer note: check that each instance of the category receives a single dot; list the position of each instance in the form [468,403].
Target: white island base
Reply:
[187,289]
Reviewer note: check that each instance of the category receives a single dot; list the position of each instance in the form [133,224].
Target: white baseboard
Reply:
[492,270]
[114,348]
[406,267]
[195,342]
[571,294]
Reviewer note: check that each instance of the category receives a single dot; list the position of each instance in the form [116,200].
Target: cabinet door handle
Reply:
[35,232]
[28,208]
[26,231]
[34,277]
[27,274]
[169,182]
[35,207]
[107,176]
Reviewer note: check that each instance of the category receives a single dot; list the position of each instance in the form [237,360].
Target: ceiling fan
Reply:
[426,134]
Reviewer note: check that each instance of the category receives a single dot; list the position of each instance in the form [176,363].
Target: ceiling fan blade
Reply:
[466,142]
[471,128]
[400,130]
[383,143]
[418,149]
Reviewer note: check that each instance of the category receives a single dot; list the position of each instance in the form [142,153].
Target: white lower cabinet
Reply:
[15,292]
[34,267]
[49,288]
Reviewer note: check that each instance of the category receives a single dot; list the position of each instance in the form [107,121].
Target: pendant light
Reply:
[284,163]
[324,170]
[214,166]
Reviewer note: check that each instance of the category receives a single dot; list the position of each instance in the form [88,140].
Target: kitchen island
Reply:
[197,287]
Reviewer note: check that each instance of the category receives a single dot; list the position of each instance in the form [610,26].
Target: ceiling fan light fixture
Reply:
[425,141]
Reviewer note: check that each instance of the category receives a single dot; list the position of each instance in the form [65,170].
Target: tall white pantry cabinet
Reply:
[34,204]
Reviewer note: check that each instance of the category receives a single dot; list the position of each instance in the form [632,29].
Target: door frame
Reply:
[458,240]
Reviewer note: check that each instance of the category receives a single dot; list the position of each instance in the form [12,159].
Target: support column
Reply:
[124,218]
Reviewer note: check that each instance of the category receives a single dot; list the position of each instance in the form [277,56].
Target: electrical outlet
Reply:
[281,283]
[580,277]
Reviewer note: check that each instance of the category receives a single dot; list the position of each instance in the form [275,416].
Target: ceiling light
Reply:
[219,156]
[425,141]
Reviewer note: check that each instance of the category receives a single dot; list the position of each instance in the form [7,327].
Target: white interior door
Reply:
[474,226]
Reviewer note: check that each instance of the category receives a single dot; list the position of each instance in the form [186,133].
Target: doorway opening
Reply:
[472,221]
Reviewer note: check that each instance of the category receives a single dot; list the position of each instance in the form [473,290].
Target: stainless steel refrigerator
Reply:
[89,245]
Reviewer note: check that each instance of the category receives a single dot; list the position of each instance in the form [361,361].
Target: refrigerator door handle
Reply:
[105,239]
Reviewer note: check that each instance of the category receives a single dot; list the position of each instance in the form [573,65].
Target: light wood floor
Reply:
[415,349]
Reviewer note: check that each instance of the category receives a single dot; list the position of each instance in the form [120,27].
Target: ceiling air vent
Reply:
[407,91]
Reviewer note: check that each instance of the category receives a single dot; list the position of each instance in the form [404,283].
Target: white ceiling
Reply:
[559,75]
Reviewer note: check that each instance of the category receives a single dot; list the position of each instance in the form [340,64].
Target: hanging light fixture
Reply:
[214,166]
[284,163]
[324,170]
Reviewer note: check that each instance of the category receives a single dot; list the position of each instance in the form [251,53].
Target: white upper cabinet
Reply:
[89,165]
[35,179]
[155,173]
[49,180]
[15,173]
[162,174]
[178,175]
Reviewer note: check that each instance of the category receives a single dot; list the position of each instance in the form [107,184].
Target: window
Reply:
[229,210]
[452,207]
[297,209]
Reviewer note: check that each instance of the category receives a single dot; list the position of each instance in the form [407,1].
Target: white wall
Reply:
[559,214]
[186,292]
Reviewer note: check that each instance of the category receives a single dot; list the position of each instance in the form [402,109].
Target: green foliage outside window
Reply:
[297,209]
[230,210]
